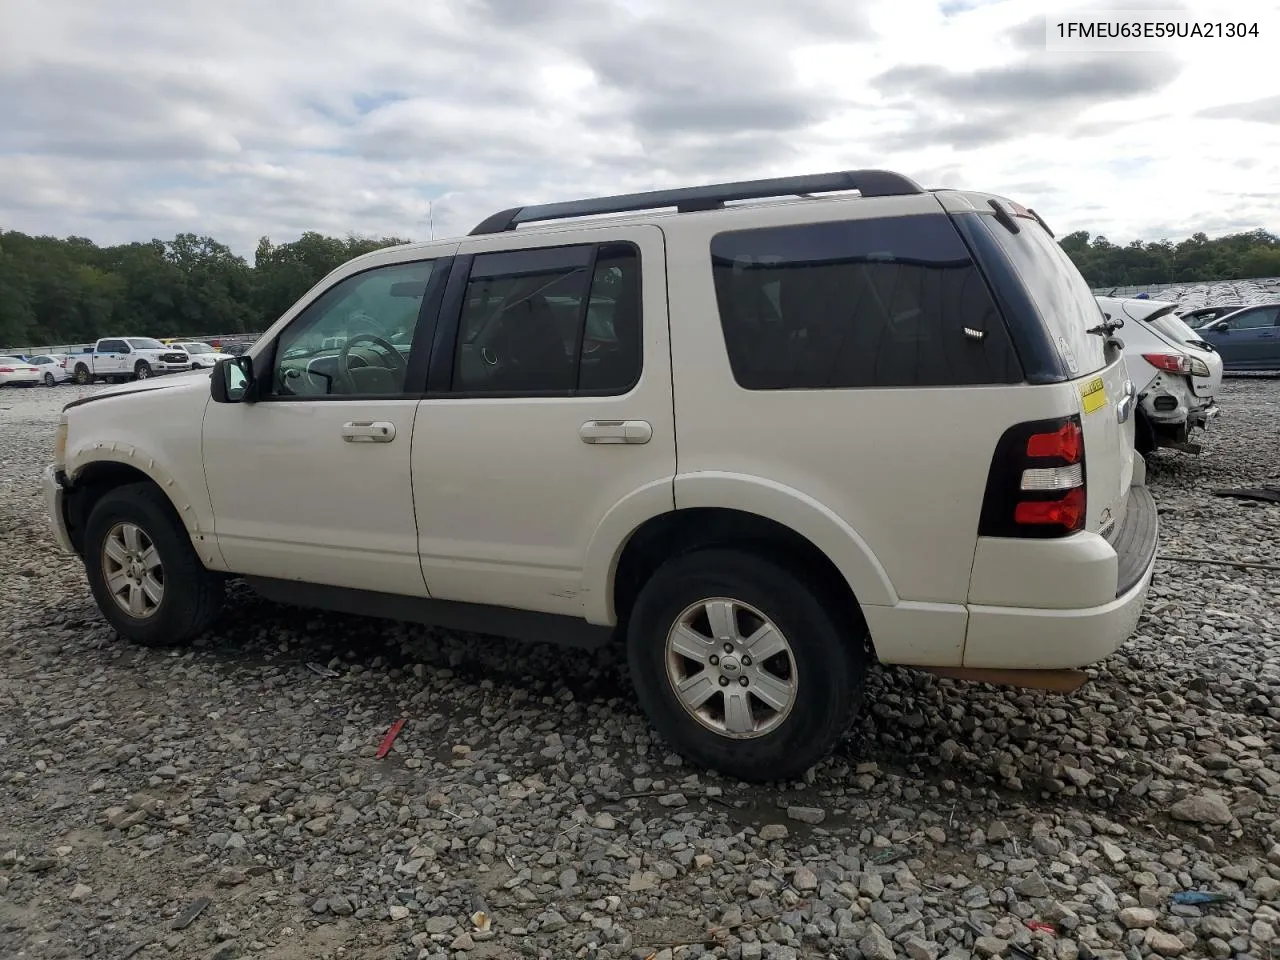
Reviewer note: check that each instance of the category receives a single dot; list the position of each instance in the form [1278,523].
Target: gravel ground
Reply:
[957,820]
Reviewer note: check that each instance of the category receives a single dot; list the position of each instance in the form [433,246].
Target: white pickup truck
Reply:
[118,359]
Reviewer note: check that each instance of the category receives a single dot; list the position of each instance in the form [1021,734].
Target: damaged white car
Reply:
[1177,374]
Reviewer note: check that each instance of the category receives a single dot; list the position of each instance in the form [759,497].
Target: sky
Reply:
[239,119]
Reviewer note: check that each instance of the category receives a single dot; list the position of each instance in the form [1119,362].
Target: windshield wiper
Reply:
[1107,327]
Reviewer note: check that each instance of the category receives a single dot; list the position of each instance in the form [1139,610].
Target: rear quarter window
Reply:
[885,302]
[1061,296]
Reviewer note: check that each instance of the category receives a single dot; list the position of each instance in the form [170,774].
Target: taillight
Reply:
[1169,362]
[63,362]
[6,370]
[1036,485]
[1199,368]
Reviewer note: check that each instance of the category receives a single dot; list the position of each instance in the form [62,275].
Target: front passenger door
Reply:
[311,482]
[1244,344]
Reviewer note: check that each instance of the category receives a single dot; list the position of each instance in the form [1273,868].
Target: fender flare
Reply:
[126,454]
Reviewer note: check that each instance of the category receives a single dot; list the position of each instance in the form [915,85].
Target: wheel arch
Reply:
[679,532]
[119,466]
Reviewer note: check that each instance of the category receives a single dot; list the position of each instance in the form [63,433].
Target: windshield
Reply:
[1059,292]
[198,348]
[144,343]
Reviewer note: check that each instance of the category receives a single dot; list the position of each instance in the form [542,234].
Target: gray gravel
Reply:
[225,801]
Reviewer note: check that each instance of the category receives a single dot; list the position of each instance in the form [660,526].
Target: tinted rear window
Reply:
[859,303]
[1059,292]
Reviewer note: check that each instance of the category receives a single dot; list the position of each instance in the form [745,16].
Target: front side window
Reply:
[887,302]
[552,320]
[355,339]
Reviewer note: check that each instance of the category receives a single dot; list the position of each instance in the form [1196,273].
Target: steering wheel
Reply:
[398,363]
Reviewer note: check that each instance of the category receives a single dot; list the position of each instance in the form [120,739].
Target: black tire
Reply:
[192,595]
[829,655]
[82,375]
[49,381]
[142,370]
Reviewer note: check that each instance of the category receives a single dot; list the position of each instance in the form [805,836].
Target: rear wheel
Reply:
[145,575]
[48,380]
[82,374]
[741,667]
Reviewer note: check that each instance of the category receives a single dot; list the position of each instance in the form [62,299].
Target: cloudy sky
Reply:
[130,119]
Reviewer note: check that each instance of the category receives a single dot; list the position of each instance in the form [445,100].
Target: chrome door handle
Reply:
[368,431]
[616,431]
[1125,407]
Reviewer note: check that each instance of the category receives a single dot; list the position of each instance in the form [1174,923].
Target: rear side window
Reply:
[887,302]
[551,320]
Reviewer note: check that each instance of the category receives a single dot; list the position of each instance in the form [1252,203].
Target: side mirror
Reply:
[232,380]
[1221,326]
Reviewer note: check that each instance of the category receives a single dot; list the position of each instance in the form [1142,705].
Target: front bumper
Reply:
[1051,637]
[55,495]
[161,367]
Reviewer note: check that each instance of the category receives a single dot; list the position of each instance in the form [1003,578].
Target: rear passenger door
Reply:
[548,413]
[110,357]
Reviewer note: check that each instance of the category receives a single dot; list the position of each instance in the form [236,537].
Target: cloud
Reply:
[127,121]
[997,104]
[1266,110]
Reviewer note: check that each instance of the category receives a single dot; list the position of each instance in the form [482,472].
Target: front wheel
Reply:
[145,575]
[143,370]
[741,667]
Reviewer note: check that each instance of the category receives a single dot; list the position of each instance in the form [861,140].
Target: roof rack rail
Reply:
[870,183]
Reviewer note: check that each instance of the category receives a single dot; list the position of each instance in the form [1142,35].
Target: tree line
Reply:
[55,290]
[1236,256]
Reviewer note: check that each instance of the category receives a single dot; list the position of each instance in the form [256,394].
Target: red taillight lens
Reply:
[1168,362]
[1065,512]
[1037,486]
[1065,444]
[62,362]
[6,369]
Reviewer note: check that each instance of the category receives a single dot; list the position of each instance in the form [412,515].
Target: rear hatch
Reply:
[1094,366]
[1173,330]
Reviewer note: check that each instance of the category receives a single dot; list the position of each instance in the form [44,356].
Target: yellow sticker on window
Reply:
[1093,395]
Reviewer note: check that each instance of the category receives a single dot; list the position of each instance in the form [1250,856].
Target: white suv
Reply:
[756,443]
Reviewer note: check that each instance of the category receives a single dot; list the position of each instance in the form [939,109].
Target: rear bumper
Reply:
[1203,416]
[21,379]
[1054,634]
[55,506]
